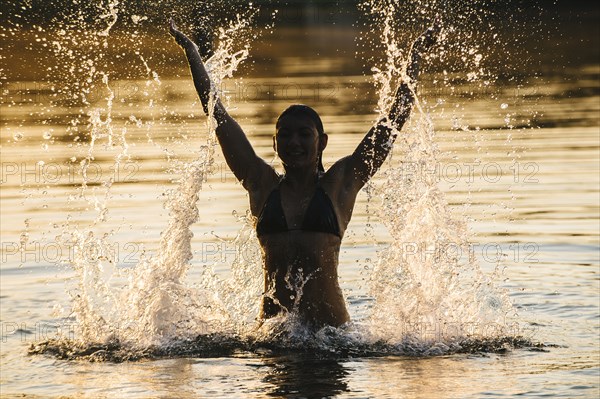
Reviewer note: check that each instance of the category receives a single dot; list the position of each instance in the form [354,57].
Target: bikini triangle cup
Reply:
[320,215]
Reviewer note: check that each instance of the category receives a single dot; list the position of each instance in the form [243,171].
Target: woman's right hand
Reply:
[420,47]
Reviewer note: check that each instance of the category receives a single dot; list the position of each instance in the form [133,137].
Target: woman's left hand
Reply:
[428,38]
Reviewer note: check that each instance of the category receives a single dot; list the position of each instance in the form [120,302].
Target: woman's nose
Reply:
[294,139]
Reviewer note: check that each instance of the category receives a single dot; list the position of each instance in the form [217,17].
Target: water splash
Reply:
[157,304]
[427,284]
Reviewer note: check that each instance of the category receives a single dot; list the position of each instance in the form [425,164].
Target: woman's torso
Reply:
[301,277]
[300,236]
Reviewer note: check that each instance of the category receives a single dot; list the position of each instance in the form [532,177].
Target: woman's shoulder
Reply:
[260,190]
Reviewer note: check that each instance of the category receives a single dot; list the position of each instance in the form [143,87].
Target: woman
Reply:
[302,214]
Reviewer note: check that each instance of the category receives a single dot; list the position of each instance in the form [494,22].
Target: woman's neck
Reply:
[300,179]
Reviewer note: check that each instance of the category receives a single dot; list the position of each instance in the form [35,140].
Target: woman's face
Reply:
[297,141]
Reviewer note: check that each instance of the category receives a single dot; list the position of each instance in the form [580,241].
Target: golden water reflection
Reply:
[518,161]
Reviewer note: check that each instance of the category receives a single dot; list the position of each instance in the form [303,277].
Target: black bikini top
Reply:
[320,215]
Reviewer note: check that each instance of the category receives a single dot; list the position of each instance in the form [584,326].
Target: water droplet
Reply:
[24,238]
[504,105]
[47,135]
[18,136]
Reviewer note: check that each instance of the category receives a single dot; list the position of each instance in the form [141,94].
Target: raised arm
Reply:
[377,143]
[239,154]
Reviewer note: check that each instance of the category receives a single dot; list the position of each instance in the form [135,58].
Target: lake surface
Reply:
[519,162]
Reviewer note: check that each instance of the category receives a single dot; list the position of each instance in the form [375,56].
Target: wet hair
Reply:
[306,111]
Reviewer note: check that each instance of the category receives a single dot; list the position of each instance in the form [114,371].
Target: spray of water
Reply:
[157,304]
[427,286]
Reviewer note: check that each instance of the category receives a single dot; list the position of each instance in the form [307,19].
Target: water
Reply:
[515,159]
